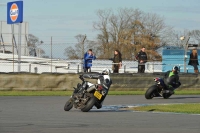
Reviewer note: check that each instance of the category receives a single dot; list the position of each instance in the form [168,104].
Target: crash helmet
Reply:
[175,68]
[105,72]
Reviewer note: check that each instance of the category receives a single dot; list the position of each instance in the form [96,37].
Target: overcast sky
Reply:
[67,18]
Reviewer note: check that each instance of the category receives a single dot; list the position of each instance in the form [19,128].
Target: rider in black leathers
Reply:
[172,79]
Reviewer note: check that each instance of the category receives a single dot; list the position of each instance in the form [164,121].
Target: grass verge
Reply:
[68,93]
[189,108]
[35,93]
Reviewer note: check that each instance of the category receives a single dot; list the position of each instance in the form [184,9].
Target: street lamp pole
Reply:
[51,54]
[19,48]
[83,48]
[185,50]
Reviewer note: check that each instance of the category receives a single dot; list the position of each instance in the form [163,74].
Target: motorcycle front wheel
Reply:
[68,105]
[89,104]
[150,92]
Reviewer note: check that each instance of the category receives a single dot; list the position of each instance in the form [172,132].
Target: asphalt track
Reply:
[45,114]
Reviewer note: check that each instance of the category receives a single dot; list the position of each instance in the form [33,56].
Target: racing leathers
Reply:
[103,80]
[171,80]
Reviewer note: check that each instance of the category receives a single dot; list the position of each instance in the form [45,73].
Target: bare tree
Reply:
[80,48]
[102,27]
[33,43]
[77,51]
[71,53]
[94,46]
[114,30]
[195,34]
[175,37]
[128,29]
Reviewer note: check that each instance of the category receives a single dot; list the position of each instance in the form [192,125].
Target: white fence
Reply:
[9,63]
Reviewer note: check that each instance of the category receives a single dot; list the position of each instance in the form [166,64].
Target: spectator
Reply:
[88,57]
[117,61]
[142,59]
[194,60]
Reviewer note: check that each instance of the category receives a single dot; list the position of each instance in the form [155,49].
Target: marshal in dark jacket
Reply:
[141,56]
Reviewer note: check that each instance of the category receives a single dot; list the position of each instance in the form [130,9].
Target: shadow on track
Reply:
[190,97]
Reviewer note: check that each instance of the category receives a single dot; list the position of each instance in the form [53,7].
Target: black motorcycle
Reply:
[158,90]
[86,95]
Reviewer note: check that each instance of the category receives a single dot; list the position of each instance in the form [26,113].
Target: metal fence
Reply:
[32,64]
[9,63]
[53,60]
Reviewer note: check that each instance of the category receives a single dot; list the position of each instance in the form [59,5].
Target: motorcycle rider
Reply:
[103,80]
[172,79]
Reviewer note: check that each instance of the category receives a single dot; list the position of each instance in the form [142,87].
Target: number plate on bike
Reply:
[98,95]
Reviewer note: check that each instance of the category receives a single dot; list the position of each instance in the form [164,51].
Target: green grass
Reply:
[179,92]
[187,92]
[189,108]
[68,93]
[35,93]
[126,92]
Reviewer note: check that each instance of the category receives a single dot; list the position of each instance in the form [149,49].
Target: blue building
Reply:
[172,56]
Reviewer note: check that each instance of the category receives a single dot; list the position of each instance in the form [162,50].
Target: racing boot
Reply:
[98,105]
[171,90]
[168,89]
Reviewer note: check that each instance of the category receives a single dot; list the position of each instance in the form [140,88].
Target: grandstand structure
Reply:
[9,52]
[9,38]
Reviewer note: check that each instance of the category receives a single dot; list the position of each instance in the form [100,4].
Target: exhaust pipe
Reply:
[91,88]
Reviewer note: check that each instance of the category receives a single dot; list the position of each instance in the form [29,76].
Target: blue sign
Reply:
[14,12]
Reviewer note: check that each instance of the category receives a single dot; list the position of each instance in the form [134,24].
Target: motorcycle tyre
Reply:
[166,96]
[68,105]
[89,104]
[149,93]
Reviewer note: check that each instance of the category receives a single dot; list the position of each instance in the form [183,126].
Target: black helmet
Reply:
[175,68]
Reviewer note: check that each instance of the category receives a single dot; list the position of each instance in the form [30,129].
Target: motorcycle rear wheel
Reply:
[150,92]
[68,105]
[89,104]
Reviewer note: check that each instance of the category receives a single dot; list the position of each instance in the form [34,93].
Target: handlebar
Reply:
[81,77]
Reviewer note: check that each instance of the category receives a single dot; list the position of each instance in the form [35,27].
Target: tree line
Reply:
[126,30]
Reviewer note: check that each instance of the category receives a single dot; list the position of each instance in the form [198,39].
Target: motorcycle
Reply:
[86,95]
[158,90]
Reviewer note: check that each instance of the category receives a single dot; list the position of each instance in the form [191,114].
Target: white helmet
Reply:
[105,72]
